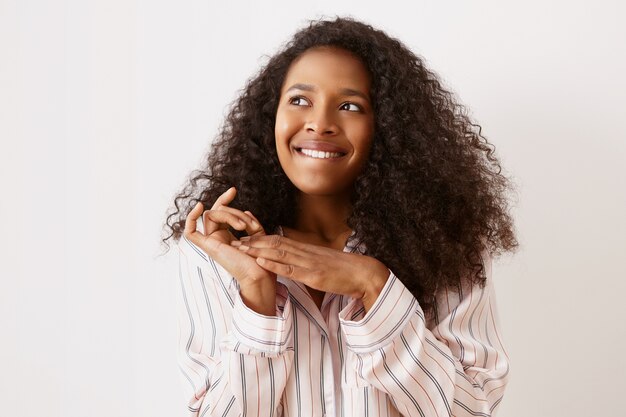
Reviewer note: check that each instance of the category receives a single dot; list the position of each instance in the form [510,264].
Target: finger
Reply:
[226,198]
[210,226]
[286,270]
[277,241]
[231,259]
[191,221]
[218,219]
[254,226]
[284,256]
[249,213]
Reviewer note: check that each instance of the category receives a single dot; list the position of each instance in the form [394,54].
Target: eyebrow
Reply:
[343,91]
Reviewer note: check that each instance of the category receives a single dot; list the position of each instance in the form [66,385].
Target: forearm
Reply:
[252,370]
[248,382]
[253,346]
[260,296]
[445,384]
[374,285]
[461,372]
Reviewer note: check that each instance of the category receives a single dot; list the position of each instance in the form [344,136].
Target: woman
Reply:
[369,208]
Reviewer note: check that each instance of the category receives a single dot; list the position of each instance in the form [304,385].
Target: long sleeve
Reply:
[453,365]
[233,361]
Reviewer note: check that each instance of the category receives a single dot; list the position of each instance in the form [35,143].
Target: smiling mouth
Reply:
[320,154]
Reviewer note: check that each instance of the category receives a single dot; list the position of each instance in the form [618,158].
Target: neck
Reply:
[324,216]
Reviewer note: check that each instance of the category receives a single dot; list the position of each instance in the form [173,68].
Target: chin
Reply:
[319,190]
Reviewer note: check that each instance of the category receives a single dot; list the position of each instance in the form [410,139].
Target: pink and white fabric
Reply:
[392,361]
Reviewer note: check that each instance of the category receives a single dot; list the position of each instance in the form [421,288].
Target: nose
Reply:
[321,121]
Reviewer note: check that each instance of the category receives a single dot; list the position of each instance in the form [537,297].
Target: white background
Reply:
[105,108]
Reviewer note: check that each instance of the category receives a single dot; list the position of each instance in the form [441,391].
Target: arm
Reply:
[457,367]
[232,359]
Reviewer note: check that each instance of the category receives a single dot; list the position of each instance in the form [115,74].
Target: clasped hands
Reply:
[255,260]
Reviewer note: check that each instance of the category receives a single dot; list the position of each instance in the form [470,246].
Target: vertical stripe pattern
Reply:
[337,361]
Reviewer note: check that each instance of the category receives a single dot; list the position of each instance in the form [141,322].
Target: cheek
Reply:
[286,125]
[364,137]
[283,132]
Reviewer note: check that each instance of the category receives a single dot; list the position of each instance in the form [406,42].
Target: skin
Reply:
[329,116]
[257,285]
[312,252]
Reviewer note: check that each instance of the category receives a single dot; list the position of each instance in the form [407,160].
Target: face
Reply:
[324,121]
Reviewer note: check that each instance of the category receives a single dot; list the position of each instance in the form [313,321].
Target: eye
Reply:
[291,100]
[358,108]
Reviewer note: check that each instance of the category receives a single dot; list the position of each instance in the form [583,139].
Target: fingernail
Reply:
[235,243]
[244,247]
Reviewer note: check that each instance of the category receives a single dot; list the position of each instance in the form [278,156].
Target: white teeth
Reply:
[320,154]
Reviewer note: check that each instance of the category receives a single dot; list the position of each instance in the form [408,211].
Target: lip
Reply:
[317,145]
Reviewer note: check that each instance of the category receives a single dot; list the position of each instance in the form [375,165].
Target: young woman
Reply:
[336,248]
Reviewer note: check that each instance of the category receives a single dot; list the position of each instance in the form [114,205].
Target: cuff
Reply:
[389,315]
[269,334]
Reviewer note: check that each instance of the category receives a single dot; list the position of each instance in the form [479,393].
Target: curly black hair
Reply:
[445,200]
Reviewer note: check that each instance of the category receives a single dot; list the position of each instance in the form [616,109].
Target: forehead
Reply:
[328,67]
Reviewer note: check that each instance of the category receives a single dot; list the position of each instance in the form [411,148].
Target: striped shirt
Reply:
[337,360]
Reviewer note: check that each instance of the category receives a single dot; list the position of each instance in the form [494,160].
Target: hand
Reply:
[257,285]
[318,267]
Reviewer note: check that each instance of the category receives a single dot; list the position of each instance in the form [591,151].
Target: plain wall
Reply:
[105,108]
